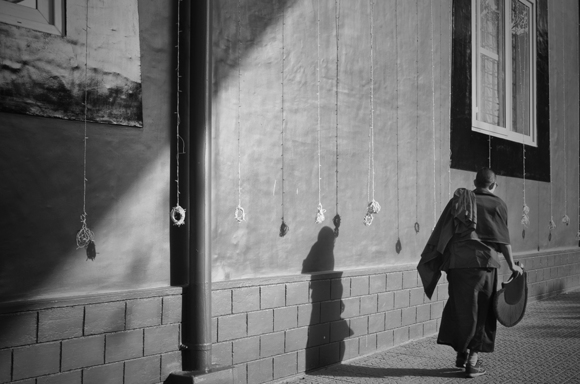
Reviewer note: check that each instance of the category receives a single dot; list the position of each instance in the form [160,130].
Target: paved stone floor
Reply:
[543,348]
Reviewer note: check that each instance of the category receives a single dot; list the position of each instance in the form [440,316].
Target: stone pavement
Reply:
[543,348]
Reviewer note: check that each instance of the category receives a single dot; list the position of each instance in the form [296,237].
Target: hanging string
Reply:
[336,219]
[417,226]
[565,218]
[283,227]
[551,224]
[178,213]
[320,211]
[433,116]
[373,206]
[398,246]
[449,116]
[240,214]
[525,210]
[85,237]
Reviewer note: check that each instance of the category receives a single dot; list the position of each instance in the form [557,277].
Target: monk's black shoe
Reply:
[461,359]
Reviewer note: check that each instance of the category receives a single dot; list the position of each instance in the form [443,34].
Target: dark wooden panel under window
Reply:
[470,150]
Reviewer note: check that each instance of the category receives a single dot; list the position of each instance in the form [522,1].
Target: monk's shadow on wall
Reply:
[327,330]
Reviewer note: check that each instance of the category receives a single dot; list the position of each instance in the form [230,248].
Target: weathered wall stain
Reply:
[46,75]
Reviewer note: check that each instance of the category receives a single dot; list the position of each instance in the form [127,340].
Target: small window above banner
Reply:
[40,15]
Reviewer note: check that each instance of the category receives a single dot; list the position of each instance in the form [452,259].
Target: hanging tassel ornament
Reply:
[240,214]
[525,219]
[178,212]
[320,214]
[336,219]
[373,206]
[85,239]
[320,211]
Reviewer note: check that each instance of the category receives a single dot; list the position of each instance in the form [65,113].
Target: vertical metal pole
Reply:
[196,331]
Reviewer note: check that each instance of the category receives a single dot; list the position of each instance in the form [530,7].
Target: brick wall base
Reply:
[274,328]
[132,337]
[266,329]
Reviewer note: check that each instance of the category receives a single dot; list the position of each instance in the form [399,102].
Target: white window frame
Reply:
[48,16]
[491,129]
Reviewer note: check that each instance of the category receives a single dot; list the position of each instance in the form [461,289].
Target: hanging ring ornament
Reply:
[240,214]
[320,214]
[417,227]
[374,207]
[368,219]
[566,220]
[525,216]
[178,215]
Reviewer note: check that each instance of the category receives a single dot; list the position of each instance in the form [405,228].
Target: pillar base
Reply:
[219,375]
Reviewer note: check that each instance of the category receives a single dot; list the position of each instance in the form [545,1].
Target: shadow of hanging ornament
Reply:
[240,214]
[398,246]
[566,220]
[91,251]
[320,214]
[336,222]
[178,215]
[551,226]
[284,229]
[417,227]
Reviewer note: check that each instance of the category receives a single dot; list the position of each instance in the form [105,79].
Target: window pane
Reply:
[491,89]
[521,45]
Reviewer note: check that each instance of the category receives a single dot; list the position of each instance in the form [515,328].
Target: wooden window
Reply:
[500,87]
[41,15]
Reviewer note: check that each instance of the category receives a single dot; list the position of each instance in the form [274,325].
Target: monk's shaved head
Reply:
[484,178]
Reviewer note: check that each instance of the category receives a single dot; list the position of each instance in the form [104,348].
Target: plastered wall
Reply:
[127,200]
[266,60]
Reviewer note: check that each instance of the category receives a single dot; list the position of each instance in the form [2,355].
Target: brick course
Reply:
[102,318]
[109,373]
[143,313]
[158,340]
[83,352]
[60,323]
[46,358]
[18,329]
[146,370]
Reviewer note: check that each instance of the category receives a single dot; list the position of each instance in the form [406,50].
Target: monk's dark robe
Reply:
[464,244]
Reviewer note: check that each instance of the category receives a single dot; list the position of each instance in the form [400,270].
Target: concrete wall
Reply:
[127,201]
[413,181]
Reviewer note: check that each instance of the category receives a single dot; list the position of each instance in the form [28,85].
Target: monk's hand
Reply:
[518,270]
